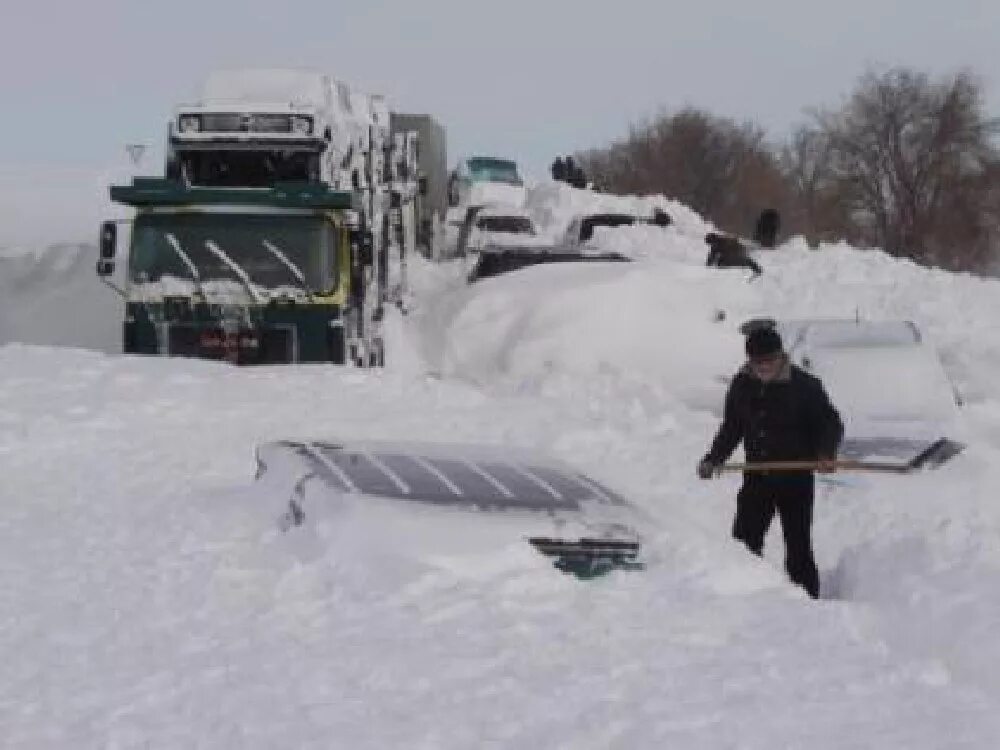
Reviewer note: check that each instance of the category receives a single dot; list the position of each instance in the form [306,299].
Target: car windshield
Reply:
[494,170]
[506,224]
[307,242]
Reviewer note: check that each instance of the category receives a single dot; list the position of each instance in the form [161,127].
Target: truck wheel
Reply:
[376,358]
[337,348]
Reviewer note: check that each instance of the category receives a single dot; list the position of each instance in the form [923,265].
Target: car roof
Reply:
[840,332]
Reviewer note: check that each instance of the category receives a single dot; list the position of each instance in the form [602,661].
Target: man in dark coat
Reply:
[559,170]
[728,252]
[780,413]
[765,232]
[574,173]
[661,218]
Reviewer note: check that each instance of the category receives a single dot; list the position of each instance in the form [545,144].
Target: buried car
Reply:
[456,499]
[493,260]
[581,229]
[495,224]
[886,381]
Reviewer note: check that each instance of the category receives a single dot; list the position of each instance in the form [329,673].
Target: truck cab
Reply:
[267,276]
[257,127]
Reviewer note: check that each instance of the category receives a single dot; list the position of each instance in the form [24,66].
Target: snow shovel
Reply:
[933,455]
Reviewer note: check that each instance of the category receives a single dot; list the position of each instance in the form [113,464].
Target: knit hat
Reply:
[762,342]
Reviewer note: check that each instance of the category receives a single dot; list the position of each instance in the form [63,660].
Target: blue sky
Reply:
[520,78]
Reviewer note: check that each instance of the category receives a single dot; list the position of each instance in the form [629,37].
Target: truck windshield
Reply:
[483,169]
[307,242]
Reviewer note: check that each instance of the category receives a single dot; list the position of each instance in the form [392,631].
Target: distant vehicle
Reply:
[492,224]
[485,179]
[500,225]
[496,260]
[449,500]
[888,383]
[581,229]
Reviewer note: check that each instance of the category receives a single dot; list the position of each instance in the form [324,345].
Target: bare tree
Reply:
[911,160]
[722,169]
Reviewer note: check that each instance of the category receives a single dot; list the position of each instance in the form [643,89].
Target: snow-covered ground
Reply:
[150,600]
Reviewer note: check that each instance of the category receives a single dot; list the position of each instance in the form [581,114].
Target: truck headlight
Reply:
[302,125]
[189,123]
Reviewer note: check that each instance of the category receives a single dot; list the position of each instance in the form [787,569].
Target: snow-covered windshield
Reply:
[307,242]
[494,170]
[506,224]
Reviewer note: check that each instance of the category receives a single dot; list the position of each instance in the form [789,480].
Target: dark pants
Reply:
[792,497]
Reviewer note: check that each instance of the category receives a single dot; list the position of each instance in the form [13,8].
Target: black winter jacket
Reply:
[728,252]
[788,419]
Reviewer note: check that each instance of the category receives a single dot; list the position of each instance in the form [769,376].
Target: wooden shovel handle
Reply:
[838,465]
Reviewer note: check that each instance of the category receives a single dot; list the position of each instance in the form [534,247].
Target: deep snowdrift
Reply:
[149,598]
[54,298]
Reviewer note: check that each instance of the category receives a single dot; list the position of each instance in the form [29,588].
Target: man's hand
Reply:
[706,469]
[826,465]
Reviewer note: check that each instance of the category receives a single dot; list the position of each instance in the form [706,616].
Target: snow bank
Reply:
[54,297]
[149,599]
[555,204]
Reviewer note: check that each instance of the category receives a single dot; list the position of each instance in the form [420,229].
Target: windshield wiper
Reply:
[195,274]
[296,271]
[237,269]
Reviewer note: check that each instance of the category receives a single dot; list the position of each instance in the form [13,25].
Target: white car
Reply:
[502,225]
[457,502]
[495,225]
[886,381]
[485,179]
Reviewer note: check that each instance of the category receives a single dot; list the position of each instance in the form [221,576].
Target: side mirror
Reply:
[422,184]
[109,240]
[105,268]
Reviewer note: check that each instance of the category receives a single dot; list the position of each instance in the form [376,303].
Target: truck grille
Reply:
[247,346]
[227,122]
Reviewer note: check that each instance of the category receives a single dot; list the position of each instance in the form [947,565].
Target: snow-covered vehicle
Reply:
[261,276]
[282,228]
[888,383]
[498,226]
[255,127]
[451,500]
[496,260]
[501,239]
[581,229]
[485,179]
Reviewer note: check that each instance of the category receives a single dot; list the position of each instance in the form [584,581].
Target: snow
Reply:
[148,597]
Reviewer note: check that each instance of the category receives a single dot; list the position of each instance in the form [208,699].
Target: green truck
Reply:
[270,275]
